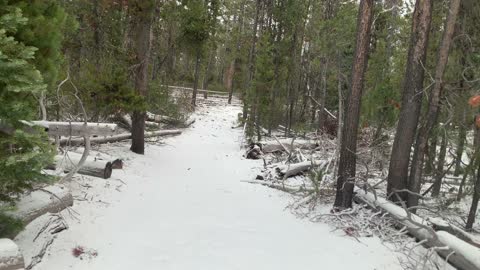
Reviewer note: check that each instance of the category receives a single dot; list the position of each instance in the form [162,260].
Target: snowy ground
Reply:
[183,206]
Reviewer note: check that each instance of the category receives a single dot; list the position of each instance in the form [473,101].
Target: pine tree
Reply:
[24,152]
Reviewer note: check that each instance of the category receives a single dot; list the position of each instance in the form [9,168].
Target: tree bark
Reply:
[141,31]
[439,174]
[415,179]
[195,80]
[411,99]
[476,197]
[462,135]
[347,163]
[251,59]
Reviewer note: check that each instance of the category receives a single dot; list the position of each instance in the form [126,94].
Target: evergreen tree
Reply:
[24,151]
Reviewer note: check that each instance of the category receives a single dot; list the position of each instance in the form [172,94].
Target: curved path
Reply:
[184,207]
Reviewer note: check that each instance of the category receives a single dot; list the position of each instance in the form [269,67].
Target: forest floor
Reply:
[183,205]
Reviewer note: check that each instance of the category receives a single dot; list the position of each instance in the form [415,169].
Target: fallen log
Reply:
[282,145]
[439,224]
[117,163]
[76,128]
[296,168]
[92,166]
[51,199]
[119,137]
[10,256]
[280,186]
[457,252]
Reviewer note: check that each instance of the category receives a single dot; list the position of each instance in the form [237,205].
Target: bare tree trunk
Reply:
[462,135]
[439,173]
[476,197]
[141,32]
[411,99]
[207,73]
[476,188]
[323,95]
[251,59]
[195,81]
[229,80]
[347,165]
[415,180]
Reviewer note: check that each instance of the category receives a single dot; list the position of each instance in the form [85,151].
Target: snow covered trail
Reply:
[184,207]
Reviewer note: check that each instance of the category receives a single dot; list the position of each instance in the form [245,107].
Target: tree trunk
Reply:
[462,135]
[207,73]
[195,80]
[415,179]
[439,174]
[141,32]
[323,95]
[251,60]
[476,188]
[229,80]
[476,197]
[347,164]
[411,99]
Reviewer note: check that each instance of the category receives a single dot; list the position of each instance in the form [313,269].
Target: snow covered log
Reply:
[457,252]
[10,256]
[439,224]
[296,168]
[271,147]
[92,166]
[51,199]
[63,128]
[76,128]
[156,118]
[119,137]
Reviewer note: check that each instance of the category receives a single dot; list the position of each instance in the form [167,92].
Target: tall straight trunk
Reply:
[251,59]
[276,74]
[476,197]
[462,136]
[347,163]
[411,100]
[229,80]
[196,77]
[476,188]
[431,152]
[141,32]
[323,95]
[439,172]
[415,179]
[238,47]
[391,5]
[207,73]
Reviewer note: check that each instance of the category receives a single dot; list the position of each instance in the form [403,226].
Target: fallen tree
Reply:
[289,170]
[10,256]
[286,145]
[455,251]
[156,118]
[64,128]
[117,138]
[92,166]
[51,199]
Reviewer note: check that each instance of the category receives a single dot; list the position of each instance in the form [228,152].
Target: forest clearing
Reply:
[239,134]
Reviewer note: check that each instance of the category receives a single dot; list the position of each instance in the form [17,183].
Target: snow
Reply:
[10,257]
[184,206]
